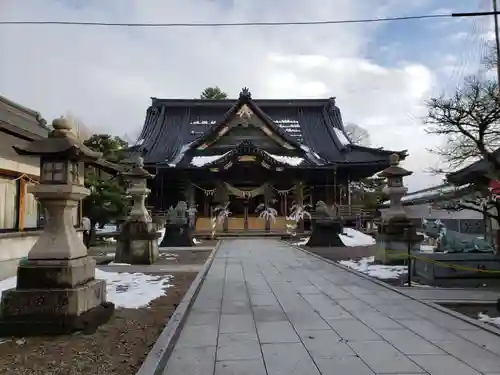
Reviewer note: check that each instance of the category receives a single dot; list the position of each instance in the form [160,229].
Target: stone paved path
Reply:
[267,308]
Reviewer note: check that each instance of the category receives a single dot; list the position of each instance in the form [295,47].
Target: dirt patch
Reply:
[184,257]
[119,347]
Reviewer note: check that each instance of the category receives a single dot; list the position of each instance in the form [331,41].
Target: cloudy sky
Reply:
[380,73]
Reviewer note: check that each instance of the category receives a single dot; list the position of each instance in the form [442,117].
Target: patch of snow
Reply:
[415,284]
[290,160]
[169,256]
[379,271]
[196,241]
[133,290]
[344,141]
[200,161]
[127,290]
[302,241]
[118,264]
[108,228]
[352,237]
[110,254]
[427,248]
[8,283]
[488,319]
[162,235]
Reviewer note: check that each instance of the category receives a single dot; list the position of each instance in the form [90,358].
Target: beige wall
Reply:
[11,161]
[14,247]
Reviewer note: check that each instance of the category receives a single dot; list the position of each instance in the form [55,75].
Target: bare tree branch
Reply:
[357,134]
[469,122]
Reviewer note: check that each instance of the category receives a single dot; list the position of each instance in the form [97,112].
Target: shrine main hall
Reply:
[245,152]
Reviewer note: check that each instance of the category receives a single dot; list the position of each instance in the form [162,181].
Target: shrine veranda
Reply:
[247,153]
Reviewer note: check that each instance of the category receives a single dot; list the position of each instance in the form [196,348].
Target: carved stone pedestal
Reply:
[325,233]
[177,235]
[393,238]
[137,243]
[54,297]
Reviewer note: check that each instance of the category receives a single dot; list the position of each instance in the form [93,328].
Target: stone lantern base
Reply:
[54,297]
[137,243]
[393,238]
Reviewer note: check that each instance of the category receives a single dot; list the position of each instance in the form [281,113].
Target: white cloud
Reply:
[106,76]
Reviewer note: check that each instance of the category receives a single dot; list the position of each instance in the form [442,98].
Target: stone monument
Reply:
[56,291]
[396,229]
[137,242]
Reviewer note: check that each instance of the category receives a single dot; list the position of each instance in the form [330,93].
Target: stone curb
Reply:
[434,305]
[157,358]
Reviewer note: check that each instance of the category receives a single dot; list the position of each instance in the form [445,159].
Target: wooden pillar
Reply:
[245,214]
[22,203]
[299,198]
[335,185]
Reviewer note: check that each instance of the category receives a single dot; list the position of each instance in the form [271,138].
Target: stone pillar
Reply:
[395,229]
[56,291]
[137,242]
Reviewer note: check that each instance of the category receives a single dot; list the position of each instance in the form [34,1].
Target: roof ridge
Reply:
[229,101]
[25,110]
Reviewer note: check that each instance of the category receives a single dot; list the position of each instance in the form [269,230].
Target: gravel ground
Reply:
[184,257]
[117,348]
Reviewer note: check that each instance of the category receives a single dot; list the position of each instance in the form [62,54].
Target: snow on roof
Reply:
[180,155]
[290,160]
[309,151]
[203,122]
[200,161]
[432,192]
[342,137]
[292,127]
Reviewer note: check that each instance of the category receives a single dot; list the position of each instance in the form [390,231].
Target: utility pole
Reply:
[495,14]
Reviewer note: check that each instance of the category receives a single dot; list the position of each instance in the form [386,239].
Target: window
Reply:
[54,172]
[31,209]
[75,173]
[9,197]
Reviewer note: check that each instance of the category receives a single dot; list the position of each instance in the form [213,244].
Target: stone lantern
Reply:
[395,188]
[138,239]
[396,231]
[56,289]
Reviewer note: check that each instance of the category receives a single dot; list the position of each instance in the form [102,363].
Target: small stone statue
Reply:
[326,227]
[323,212]
[177,229]
[178,215]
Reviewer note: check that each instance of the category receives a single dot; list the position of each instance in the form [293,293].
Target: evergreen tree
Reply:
[213,93]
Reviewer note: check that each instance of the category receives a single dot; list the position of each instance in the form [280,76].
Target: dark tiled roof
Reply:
[473,172]
[315,125]
[22,121]
[433,194]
